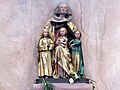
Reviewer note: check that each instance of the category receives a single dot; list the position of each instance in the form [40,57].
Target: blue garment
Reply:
[76,49]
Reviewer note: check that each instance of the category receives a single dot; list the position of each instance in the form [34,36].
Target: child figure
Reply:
[76,52]
[46,46]
[62,56]
[62,40]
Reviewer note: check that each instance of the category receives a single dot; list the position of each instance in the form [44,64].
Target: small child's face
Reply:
[45,33]
[77,34]
[62,31]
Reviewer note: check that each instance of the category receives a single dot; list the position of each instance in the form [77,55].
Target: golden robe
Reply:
[45,54]
[63,59]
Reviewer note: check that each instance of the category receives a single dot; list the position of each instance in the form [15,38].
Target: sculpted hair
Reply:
[42,35]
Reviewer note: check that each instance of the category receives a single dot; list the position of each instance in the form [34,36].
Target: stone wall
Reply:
[21,23]
[17,45]
[101,22]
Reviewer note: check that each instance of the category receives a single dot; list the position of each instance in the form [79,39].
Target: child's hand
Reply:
[71,46]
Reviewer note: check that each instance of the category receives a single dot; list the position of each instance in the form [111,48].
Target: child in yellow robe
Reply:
[46,46]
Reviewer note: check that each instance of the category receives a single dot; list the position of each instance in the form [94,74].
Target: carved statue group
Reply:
[60,52]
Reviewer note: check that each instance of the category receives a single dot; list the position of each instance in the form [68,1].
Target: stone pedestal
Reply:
[62,84]
[66,86]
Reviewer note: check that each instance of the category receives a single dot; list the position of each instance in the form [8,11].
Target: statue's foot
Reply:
[55,76]
[64,77]
[76,76]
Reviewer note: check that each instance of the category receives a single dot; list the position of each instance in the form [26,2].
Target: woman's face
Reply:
[62,31]
[63,7]
[77,34]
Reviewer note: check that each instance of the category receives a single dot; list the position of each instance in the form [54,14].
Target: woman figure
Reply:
[62,18]
[46,46]
[62,56]
[76,52]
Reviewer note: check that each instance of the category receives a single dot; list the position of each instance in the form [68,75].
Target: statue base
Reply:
[63,84]
[61,80]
